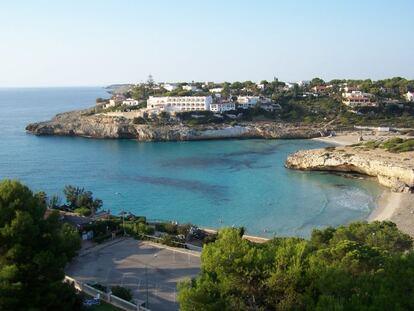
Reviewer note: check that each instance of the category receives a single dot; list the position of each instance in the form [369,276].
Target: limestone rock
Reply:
[84,123]
[392,170]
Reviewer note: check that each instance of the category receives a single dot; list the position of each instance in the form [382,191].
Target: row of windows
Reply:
[358,100]
[190,109]
[185,104]
[187,99]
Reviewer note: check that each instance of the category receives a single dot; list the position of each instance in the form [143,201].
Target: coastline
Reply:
[395,207]
[391,206]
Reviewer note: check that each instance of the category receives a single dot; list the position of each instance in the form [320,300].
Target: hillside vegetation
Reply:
[395,145]
[357,267]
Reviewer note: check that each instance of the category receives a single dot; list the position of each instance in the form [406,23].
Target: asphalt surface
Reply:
[137,265]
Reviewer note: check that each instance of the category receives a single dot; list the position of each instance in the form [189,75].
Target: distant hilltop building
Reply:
[409,96]
[356,99]
[170,86]
[247,102]
[216,90]
[130,102]
[179,103]
[319,89]
[260,86]
[190,88]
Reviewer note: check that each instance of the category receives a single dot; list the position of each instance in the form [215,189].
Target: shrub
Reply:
[99,287]
[183,229]
[390,143]
[122,292]
[139,120]
[166,227]
[84,211]
[101,238]
[170,240]
[138,228]
[398,145]
[103,227]
[210,238]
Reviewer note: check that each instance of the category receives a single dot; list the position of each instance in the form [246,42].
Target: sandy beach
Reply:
[396,207]
[393,206]
[340,140]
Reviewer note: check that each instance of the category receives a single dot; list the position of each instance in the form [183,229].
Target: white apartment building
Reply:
[358,99]
[223,106]
[170,86]
[179,103]
[260,86]
[190,88]
[216,90]
[247,102]
[130,102]
[409,96]
[288,85]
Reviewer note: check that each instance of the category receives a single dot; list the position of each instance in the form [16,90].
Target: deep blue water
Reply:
[209,183]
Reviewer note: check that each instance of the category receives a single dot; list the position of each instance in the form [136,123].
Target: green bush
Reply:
[395,144]
[390,143]
[408,145]
[122,292]
[83,211]
[170,240]
[166,227]
[99,287]
[183,229]
[372,144]
[102,227]
[138,228]
[101,238]
[210,238]
[361,266]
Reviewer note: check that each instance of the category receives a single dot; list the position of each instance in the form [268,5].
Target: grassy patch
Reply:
[395,145]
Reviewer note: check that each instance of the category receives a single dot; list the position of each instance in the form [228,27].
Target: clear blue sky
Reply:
[97,42]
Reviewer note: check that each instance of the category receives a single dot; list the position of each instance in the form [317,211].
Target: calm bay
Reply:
[208,183]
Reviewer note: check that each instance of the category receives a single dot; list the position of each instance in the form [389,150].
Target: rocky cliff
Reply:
[393,170]
[82,123]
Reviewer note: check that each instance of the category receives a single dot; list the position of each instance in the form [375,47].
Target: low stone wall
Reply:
[107,297]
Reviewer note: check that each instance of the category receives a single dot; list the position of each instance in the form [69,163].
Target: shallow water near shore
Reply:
[208,183]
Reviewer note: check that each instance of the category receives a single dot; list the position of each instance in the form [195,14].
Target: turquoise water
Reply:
[209,183]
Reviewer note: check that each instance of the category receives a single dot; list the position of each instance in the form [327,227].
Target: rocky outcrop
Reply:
[393,170]
[83,123]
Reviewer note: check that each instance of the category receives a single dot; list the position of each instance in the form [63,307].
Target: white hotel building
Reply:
[179,103]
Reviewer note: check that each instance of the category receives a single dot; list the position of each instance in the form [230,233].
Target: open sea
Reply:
[207,183]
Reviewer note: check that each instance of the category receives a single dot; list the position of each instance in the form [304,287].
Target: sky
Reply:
[100,42]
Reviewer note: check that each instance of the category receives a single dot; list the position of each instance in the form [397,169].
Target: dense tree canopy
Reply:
[357,267]
[81,201]
[34,250]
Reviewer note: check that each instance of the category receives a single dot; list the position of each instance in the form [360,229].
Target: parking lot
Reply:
[148,270]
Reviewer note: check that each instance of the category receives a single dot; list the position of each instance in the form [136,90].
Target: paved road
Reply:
[134,264]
